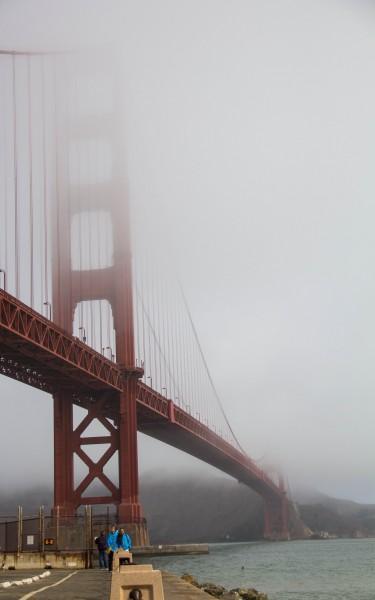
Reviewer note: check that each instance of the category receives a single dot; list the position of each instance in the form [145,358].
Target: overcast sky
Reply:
[251,140]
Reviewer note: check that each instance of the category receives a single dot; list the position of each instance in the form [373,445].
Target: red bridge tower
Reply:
[113,283]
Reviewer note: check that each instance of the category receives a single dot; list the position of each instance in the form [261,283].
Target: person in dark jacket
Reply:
[101,542]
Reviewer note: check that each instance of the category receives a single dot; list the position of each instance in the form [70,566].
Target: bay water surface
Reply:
[298,570]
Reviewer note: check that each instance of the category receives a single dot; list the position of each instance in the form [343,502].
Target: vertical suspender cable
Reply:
[167,337]
[157,342]
[44,161]
[184,358]
[153,302]
[101,262]
[87,173]
[31,207]
[194,384]
[5,199]
[137,309]
[219,402]
[145,360]
[68,224]
[165,344]
[16,250]
[108,236]
[191,371]
[89,221]
[78,160]
[157,300]
[174,362]
[149,328]
[180,374]
[57,241]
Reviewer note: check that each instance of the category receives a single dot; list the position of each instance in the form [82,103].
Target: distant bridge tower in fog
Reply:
[86,315]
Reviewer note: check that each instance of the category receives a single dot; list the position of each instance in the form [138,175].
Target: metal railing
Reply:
[53,533]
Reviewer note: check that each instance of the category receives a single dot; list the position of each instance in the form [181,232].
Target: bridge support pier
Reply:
[129,509]
[276,519]
[63,454]
[130,514]
[121,437]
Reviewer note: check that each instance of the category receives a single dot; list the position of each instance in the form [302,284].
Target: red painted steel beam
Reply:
[26,337]
[196,438]
[28,333]
[210,448]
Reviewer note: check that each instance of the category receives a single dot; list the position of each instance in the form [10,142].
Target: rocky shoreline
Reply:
[218,591]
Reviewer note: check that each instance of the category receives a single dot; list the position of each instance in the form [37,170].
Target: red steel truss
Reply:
[37,352]
[70,441]
[27,332]
[44,354]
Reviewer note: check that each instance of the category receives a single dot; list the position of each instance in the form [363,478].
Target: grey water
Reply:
[299,570]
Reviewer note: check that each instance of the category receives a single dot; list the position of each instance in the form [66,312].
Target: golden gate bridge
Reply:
[86,312]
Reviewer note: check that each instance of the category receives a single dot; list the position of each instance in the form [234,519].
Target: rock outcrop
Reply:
[218,591]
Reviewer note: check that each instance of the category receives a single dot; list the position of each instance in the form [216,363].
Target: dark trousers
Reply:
[103,559]
[110,560]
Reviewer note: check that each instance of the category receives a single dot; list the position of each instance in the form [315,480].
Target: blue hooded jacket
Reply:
[112,540]
[126,542]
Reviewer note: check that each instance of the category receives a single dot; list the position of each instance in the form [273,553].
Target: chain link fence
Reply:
[56,533]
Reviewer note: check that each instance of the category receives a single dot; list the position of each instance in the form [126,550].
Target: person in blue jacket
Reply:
[112,545]
[124,541]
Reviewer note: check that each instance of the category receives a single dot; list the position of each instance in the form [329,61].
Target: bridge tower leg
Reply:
[276,527]
[63,454]
[112,283]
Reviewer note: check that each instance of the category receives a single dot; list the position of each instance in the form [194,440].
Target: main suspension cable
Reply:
[218,399]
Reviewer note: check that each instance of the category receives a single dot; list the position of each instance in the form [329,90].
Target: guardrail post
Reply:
[57,527]
[88,536]
[171,411]
[41,529]
[19,530]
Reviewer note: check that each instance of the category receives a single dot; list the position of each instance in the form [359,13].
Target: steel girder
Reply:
[25,331]
[33,350]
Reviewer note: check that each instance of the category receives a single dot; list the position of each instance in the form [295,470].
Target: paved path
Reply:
[91,584]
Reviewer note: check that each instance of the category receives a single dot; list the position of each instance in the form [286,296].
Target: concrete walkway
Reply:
[91,584]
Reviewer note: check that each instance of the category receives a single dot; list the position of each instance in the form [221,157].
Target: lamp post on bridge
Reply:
[83,333]
[4,279]
[49,309]
[111,352]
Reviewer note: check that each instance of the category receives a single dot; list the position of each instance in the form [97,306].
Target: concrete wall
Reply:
[170,549]
[81,560]
[38,560]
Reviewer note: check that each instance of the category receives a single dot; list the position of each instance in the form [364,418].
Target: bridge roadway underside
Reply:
[36,352]
[186,441]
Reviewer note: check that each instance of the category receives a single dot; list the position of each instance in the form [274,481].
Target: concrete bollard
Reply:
[122,558]
[136,582]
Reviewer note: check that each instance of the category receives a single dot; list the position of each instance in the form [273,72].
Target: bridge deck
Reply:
[37,352]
